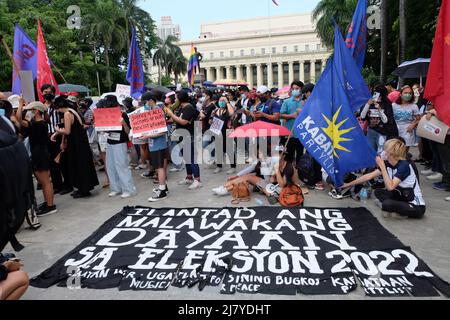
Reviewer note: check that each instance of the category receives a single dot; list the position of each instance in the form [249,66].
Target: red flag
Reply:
[438,81]
[44,71]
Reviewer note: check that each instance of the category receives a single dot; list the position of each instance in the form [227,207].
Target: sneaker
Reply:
[231,171]
[441,186]
[126,195]
[65,191]
[335,194]
[427,172]
[42,206]
[447,199]
[147,175]
[47,211]
[185,182]
[141,167]
[167,190]
[195,185]
[175,169]
[158,195]
[319,186]
[113,194]
[218,170]
[436,176]
[220,191]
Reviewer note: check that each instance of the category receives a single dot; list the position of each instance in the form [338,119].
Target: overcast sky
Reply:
[190,14]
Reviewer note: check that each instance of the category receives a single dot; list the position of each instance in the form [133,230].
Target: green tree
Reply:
[178,63]
[162,56]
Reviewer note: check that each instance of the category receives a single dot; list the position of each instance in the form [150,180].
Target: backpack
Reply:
[291,196]
[305,169]
[240,193]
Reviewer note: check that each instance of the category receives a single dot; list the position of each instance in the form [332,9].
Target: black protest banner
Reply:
[250,250]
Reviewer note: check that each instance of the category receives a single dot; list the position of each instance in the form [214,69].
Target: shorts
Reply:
[157,158]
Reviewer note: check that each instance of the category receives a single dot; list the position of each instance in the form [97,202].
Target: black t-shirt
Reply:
[118,137]
[208,110]
[38,133]
[188,113]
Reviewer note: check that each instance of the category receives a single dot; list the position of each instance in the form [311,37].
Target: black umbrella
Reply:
[413,69]
[161,89]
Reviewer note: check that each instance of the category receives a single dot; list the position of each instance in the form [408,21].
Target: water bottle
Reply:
[363,195]
[259,201]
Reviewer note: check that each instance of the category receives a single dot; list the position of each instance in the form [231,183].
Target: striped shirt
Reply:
[54,119]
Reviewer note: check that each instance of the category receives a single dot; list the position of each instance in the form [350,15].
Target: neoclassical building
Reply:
[261,51]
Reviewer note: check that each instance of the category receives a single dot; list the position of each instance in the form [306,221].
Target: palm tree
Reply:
[384,38]
[104,30]
[327,10]
[130,13]
[161,56]
[179,63]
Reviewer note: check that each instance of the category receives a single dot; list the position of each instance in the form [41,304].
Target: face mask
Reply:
[296,93]
[222,104]
[407,97]
[2,112]
[49,97]
[147,107]
[263,99]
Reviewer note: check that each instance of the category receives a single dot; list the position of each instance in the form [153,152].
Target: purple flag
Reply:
[135,73]
[357,33]
[25,56]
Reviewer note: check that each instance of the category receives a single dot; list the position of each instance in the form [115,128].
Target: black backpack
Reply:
[305,169]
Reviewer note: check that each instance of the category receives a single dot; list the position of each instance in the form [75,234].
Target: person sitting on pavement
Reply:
[13,281]
[402,196]
[264,173]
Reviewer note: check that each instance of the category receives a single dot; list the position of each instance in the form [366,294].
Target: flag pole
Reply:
[9,53]
[270,33]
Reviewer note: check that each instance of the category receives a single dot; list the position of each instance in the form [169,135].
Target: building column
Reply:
[270,75]
[313,71]
[291,72]
[249,75]
[209,76]
[259,75]
[280,75]
[239,72]
[302,71]
[229,75]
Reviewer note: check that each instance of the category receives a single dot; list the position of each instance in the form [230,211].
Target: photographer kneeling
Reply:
[402,195]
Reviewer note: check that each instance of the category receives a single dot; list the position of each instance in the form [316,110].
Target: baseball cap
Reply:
[36,106]
[14,100]
[262,89]
[72,99]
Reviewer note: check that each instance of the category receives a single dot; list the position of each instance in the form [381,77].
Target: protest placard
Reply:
[216,126]
[108,119]
[148,123]
[434,129]
[27,85]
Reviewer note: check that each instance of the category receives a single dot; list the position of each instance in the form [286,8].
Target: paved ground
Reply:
[77,219]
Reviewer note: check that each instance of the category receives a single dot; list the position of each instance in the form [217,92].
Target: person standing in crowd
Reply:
[290,110]
[380,115]
[407,116]
[40,156]
[224,113]
[175,150]
[53,118]
[402,196]
[159,152]
[443,158]
[75,144]
[205,116]
[185,120]
[117,162]
[268,109]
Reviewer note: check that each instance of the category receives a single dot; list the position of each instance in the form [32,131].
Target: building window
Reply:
[318,47]
[252,52]
[242,53]
[263,51]
[274,50]
[221,54]
[295,48]
[231,53]
[307,47]
[284,50]
[211,55]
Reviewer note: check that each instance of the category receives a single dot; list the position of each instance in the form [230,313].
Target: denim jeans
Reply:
[436,163]
[192,168]
[119,174]
[176,155]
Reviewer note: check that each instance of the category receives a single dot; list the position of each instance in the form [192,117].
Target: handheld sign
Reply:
[27,85]
[434,129]
[108,119]
[148,123]
[216,126]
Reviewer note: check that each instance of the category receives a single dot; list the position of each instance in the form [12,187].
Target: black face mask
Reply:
[49,97]
[263,99]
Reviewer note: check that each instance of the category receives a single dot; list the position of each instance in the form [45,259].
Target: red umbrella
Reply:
[260,129]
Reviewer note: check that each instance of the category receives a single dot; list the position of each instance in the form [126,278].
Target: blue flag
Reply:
[357,34]
[25,56]
[327,126]
[135,73]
